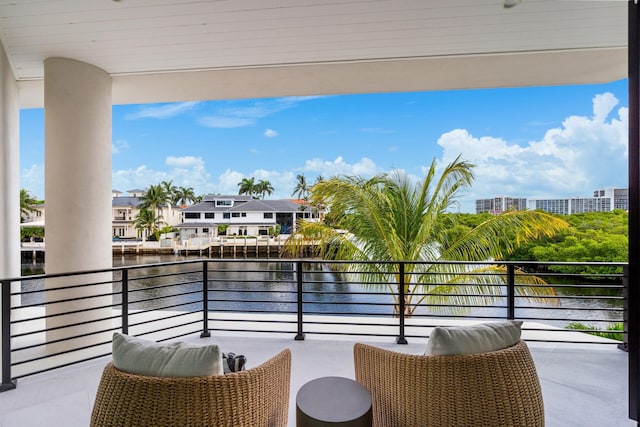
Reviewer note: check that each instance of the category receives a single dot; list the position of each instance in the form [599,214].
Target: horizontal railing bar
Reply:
[226,310]
[60,353]
[139,301]
[164,307]
[288,322]
[65,288]
[63,365]
[238,280]
[156,287]
[66,313]
[173,316]
[167,328]
[381,262]
[291,292]
[611,309]
[158,276]
[66,339]
[61,301]
[363,334]
[564,319]
[65,326]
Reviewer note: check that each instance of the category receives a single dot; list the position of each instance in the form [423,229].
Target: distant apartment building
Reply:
[603,200]
[500,204]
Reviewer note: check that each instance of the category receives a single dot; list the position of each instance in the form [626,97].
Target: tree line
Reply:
[594,236]
[590,237]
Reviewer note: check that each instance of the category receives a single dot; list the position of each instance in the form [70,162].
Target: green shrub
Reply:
[597,331]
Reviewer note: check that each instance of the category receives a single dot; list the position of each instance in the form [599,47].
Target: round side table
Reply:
[333,401]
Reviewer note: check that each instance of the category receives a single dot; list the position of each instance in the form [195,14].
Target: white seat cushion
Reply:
[144,357]
[474,339]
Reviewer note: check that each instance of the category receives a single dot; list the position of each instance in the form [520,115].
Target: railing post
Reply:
[205,300]
[125,301]
[299,272]
[624,345]
[7,383]
[401,304]
[511,291]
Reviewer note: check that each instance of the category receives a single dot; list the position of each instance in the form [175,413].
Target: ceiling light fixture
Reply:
[508,4]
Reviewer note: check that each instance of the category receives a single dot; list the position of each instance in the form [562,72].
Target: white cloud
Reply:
[364,167]
[228,182]
[233,114]
[162,111]
[602,106]
[186,161]
[32,180]
[185,172]
[224,122]
[270,133]
[282,181]
[573,160]
[119,146]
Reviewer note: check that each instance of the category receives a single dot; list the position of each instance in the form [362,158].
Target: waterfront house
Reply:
[242,215]
[125,210]
[34,218]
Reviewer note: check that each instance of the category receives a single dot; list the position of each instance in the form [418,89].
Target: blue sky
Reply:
[525,142]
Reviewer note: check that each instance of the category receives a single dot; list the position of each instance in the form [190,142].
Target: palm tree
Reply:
[263,188]
[26,204]
[301,190]
[247,186]
[154,199]
[148,221]
[390,218]
[183,195]
[169,188]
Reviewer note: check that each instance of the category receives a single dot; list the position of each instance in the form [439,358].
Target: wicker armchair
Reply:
[499,388]
[255,397]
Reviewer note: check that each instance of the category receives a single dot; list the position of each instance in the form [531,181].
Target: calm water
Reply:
[239,286]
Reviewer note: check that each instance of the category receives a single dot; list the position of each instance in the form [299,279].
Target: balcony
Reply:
[61,326]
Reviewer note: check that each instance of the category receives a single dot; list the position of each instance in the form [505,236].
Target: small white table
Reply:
[333,401]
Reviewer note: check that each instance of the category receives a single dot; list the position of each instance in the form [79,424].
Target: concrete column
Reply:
[9,171]
[9,182]
[77,99]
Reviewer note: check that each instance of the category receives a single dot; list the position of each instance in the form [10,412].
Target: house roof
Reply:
[267,48]
[247,204]
[236,197]
[125,201]
[265,206]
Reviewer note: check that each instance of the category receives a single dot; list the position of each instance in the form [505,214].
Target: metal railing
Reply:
[52,321]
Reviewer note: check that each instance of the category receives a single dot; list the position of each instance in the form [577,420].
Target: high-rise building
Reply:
[500,204]
[603,200]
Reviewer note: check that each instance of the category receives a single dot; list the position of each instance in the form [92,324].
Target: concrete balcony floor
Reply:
[583,384]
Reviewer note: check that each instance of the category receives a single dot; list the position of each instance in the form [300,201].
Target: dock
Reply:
[220,247]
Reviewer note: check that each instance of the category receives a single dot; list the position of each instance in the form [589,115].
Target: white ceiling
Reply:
[246,48]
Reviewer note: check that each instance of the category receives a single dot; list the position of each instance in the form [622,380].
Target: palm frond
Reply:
[391,218]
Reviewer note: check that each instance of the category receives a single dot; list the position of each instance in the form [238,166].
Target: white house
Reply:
[243,216]
[125,210]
